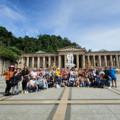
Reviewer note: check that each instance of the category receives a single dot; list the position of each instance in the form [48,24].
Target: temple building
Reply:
[82,58]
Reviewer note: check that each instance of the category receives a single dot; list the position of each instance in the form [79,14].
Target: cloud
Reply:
[8,13]
[94,24]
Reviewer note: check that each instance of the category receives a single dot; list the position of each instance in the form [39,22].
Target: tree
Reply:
[15,46]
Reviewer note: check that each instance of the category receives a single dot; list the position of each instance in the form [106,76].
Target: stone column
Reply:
[55,59]
[83,61]
[65,60]
[111,61]
[119,60]
[27,61]
[38,62]
[22,63]
[116,59]
[99,60]
[43,62]
[88,58]
[77,61]
[94,65]
[105,60]
[49,64]
[59,61]
[32,62]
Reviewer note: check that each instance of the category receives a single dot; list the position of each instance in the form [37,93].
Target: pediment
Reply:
[71,48]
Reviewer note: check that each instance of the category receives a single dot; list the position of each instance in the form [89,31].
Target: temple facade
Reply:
[82,59]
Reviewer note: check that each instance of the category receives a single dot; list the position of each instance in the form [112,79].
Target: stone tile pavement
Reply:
[62,104]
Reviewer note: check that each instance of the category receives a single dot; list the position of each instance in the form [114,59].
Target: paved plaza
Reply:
[62,104]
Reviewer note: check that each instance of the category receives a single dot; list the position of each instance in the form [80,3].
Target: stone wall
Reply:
[4,65]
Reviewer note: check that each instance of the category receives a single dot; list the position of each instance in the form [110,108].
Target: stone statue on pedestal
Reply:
[70,58]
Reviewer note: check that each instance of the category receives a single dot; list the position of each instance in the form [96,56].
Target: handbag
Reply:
[25,79]
[13,81]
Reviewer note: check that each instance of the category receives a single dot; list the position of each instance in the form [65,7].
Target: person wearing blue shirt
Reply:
[41,76]
[113,76]
[99,82]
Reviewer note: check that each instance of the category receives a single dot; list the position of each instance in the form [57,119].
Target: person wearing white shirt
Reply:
[94,73]
[71,72]
[71,81]
[32,86]
[75,72]
[34,73]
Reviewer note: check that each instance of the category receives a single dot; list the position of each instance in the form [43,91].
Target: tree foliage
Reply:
[9,53]
[15,46]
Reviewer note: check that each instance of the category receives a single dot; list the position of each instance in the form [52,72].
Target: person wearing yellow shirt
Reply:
[57,72]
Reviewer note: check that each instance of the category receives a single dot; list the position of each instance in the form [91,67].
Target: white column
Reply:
[59,61]
[49,64]
[27,61]
[77,61]
[116,57]
[32,62]
[94,65]
[105,60]
[88,59]
[43,62]
[99,60]
[65,60]
[55,59]
[22,63]
[38,62]
[111,60]
[83,61]
[119,60]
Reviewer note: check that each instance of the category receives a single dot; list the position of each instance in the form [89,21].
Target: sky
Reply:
[93,24]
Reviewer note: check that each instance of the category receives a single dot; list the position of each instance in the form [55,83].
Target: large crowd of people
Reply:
[37,79]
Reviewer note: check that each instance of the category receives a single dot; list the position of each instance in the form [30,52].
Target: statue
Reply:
[54,66]
[70,58]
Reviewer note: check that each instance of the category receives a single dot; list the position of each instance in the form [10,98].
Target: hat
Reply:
[34,68]
[18,68]
[103,73]
[38,76]
[12,66]
[58,75]
[40,69]
[57,68]
[71,74]
[33,77]
[86,76]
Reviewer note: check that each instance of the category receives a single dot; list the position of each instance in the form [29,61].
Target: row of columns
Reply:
[77,61]
[105,60]
[38,62]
